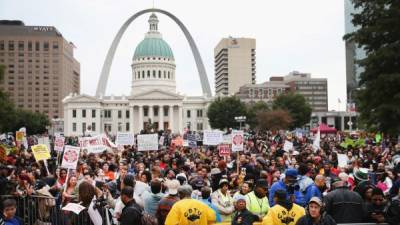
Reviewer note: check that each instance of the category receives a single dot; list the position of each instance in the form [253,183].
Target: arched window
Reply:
[137,76]
[143,74]
[148,73]
[159,74]
[154,74]
[169,75]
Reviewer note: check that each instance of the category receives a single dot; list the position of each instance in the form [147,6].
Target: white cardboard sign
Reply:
[212,137]
[124,139]
[147,142]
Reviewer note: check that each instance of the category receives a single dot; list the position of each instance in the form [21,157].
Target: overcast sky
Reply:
[302,35]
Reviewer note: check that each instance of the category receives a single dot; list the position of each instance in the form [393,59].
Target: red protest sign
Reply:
[224,150]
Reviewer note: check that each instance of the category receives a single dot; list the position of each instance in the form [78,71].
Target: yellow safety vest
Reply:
[257,206]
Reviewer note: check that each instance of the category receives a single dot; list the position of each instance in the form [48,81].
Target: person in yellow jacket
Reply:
[189,211]
[257,201]
[284,212]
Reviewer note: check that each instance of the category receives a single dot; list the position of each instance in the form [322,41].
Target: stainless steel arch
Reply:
[105,72]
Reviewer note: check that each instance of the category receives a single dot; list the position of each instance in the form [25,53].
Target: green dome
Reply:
[153,47]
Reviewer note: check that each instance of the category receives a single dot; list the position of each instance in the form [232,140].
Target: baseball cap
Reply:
[316,200]
[239,197]
[172,186]
[291,173]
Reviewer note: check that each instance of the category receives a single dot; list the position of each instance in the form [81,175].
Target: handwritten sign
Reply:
[40,152]
[224,150]
[212,137]
[147,142]
[124,138]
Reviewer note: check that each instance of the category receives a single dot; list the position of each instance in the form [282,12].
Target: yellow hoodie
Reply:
[190,212]
[278,215]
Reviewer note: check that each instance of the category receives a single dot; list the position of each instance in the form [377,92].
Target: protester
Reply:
[223,201]
[189,211]
[8,216]
[206,199]
[152,199]
[343,205]
[289,184]
[242,216]
[131,213]
[257,201]
[284,212]
[376,209]
[166,203]
[315,215]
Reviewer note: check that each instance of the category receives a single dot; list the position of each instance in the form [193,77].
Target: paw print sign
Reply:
[70,158]
[237,140]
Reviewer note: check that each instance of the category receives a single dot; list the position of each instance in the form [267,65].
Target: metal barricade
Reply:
[43,210]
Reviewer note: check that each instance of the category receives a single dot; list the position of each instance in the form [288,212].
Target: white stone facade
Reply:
[153,98]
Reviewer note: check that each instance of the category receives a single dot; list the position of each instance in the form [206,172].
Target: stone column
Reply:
[171,118]
[140,118]
[161,117]
[180,117]
[131,120]
[151,113]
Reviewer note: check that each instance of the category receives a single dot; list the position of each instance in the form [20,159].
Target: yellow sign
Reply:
[40,152]
[19,135]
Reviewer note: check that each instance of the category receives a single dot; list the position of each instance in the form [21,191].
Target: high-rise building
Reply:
[266,92]
[353,53]
[40,67]
[235,64]
[314,90]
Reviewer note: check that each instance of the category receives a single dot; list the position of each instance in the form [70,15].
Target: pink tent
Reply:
[324,129]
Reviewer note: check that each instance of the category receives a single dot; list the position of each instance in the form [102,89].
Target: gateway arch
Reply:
[105,72]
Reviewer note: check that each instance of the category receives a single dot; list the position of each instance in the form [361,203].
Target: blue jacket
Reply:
[217,215]
[299,197]
[312,191]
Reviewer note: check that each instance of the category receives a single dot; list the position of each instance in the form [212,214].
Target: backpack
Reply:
[147,219]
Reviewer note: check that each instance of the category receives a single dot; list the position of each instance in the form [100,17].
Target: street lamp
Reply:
[240,119]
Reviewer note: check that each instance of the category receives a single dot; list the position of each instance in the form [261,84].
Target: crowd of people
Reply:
[179,185]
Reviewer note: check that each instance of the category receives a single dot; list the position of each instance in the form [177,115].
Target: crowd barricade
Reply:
[44,210]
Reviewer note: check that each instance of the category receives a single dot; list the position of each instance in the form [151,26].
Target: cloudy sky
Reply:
[302,35]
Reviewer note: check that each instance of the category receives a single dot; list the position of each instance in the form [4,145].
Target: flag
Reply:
[317,141]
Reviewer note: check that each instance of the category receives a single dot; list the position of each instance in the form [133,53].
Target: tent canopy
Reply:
[324,129]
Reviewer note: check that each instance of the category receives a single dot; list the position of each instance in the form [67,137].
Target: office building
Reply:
[40,67]
[235,65]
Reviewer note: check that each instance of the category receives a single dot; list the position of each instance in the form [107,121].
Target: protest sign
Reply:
[59,144]
[185,143]
[19,136]
[237,140]
[342,160]
[212,137]
[224,150]
[178,141]
[73,207]
[40,152]
[70,157]
[92,144]
[287,146]
[161,141]
[44,141]
[124,138]
[192,142]
[227,139]
[147,142]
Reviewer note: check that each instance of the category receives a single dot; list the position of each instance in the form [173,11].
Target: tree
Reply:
[253,109]
[222,111]
[274,120]
[378,33]
[297,106]
[12,119]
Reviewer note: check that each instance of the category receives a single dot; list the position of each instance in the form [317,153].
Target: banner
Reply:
[224,150]
[237,140]
[40,152]
[59,144]
[124,139]
[19,136]
[287,146]
[147,142]
[92,144]
[70,157]
[212,137]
